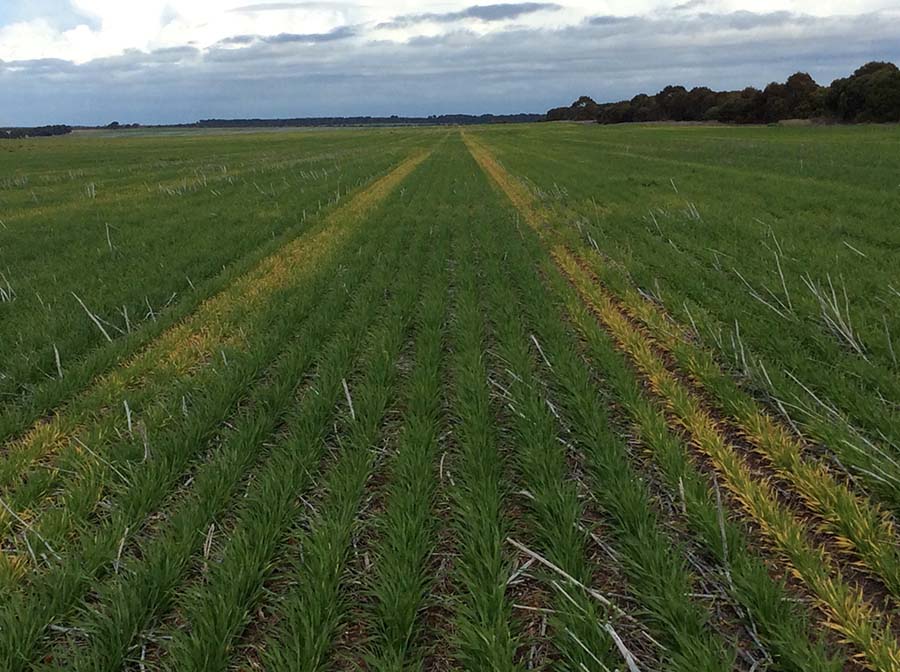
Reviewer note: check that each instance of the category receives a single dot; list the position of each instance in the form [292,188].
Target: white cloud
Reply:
[174,60]
[38,39]
[154,24]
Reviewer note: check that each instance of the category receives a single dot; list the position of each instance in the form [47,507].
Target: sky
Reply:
[167,61]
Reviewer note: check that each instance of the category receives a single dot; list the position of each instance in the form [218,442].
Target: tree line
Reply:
[871,94]
[37,132]
[433,120]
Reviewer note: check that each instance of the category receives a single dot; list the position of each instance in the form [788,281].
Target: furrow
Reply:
[405,532]
[312,616]
[483,637]
[545,460]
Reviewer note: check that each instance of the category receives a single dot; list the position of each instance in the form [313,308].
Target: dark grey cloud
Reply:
[708,23]
[609,20]
[39,67]
[744,20]
[340,33]
[449,39]
[172,54]
[480,12]
[459,71]
[240,39]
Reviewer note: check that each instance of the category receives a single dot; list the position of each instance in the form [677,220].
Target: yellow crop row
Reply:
[188,346]
[860,623]
[858,525]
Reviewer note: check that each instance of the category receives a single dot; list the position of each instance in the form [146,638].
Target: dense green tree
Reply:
[699,100]
[804,96]
[673,102]
[585,109]
[871,94]
[36,132]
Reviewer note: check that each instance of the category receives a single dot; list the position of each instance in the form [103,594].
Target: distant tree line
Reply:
[871,94]
[37,132]
[433,120]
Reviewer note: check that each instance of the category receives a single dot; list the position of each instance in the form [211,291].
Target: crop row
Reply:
[132,281]
[161,373]
[787,278]
[856,617]
[423,436]
[48,593]
[135,280]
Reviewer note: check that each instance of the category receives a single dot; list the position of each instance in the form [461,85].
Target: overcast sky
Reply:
[160,61]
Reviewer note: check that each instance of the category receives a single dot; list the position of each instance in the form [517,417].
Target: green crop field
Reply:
[536,397]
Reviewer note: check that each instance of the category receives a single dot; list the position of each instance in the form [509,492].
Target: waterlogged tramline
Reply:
[858,610]
[67,574]
[687,632]
[220,325]
[435,431]
[233,207]
[746,248]
[567,458]
[268,433]
[863,530]
[194,342]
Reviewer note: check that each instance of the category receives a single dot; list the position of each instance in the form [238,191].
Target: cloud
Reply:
[510,70]
[744,20]
[487,13]
[689,5]
[42,66]
[240,40]
[607,20]
[60,14]
[708,23]
[288,6]
[340,33]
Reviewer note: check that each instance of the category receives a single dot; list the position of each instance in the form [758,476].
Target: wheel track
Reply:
[107,617]
[200,338]
[850,609]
